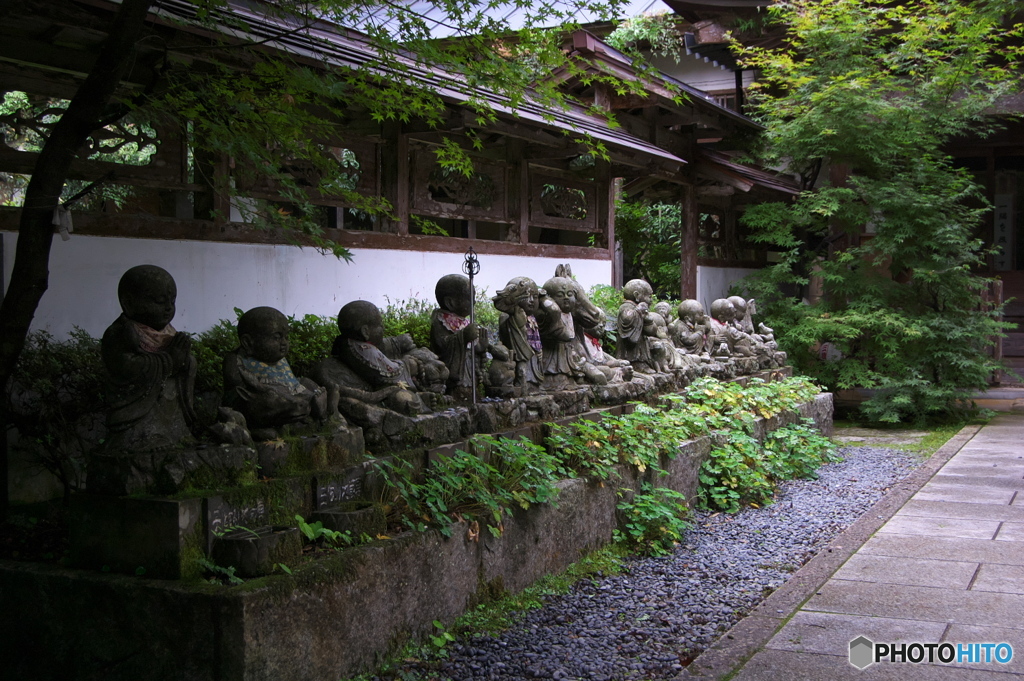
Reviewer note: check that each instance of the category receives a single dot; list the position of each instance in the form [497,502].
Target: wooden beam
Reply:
[151,227]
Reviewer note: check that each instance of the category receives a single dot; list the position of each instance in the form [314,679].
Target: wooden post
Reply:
[689,229]
[606,207]
[394,176]
[614,247]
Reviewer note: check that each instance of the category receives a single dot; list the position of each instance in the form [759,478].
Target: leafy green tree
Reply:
[878,89]
[650,238]
[277,114]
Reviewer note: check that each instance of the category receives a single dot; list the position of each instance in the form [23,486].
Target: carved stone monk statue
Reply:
[259,382]
[599,368]
[149,365]
[642,339]
[728,339]
[361,369]
[518,330]
[453,337]
[559,362]
[689,332]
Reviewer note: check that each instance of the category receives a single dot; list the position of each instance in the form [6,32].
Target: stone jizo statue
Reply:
[149,365]
[689,333]
[518,330]
[642,340]
[362,370]
[259,382]
[453,337]
[559,362]
[728,338]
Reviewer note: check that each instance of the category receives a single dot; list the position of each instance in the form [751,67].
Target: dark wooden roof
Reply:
[329,45]
[722,168]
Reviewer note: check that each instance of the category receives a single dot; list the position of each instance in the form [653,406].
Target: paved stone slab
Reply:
[1011,481]
[1002,578]
[941,527]
[959,633]
[941,548]
[830,634]
[1011,532]
[955,509]
[964,494]
[999,453]
[980,469]
[918,603]
[911,571]
[785,665]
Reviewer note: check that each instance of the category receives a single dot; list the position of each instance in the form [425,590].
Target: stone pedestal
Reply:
[164,537]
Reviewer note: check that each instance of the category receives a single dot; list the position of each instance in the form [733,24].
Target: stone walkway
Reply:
[940,559]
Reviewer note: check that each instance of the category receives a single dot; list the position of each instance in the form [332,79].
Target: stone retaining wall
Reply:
[330,619]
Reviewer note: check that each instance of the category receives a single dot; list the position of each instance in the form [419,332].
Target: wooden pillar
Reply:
[606,206]
[518,192]
[614,247]
[689,228]
[213,202]
[394,176]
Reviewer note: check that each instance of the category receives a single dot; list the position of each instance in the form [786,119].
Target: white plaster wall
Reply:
[213,278]
[713,282]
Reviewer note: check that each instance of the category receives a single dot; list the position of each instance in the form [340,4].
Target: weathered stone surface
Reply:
[86,625]
[328,620]
[254,552]
[355,517]
[164,537]
[166,472]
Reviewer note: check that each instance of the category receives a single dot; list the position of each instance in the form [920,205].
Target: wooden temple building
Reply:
[536,198]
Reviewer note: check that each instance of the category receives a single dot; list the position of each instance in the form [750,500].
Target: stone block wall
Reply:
[328,620]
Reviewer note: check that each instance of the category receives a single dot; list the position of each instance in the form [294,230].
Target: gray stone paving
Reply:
[948,566]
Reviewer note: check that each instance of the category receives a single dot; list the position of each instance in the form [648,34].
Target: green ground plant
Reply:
[497,476]
[740,471]
[655,519]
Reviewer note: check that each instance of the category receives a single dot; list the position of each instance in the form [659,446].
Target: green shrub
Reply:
[608,298]
[410,316]
[735,474]
[309,340]
[654,520]
[52,401]
[519,474]
[209,348]
[797,451]
[741,471]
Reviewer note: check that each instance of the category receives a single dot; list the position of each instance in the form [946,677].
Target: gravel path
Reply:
[662,612]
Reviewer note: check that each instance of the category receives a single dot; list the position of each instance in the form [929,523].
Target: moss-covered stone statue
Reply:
[598,368]
[560,364]
[150,444]
[365,373]
[259,382]
[453,337]
[762,338]
[149,365]
[689,333]
[727,338]
[642,341]
[518,330]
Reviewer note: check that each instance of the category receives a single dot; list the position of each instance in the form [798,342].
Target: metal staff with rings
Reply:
[471,267]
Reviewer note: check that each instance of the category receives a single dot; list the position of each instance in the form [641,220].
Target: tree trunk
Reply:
[30,274]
